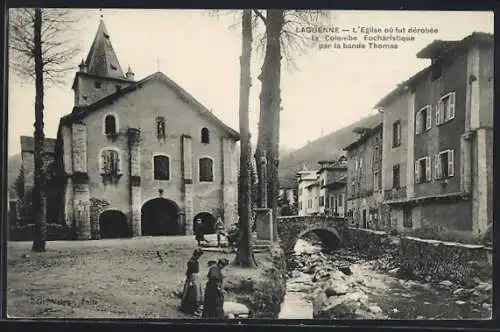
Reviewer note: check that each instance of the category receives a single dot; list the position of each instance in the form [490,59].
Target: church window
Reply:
[160,127]
[206,169]
[161,167]
[97,85]
[205,136]
[110,125]
[110,162]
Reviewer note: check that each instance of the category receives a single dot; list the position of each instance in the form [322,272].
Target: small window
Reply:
[377,181]
[110,162]
[322,201]
[113,67]
[445,164]
[205,136]
[395,177]
[160,127]
[423,120]
[98,85]
[445,110]
[161,168]
[396,134]
[110,125]
[118,88]
[340,200]
[206,170]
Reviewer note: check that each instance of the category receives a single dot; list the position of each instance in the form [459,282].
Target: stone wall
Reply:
[367,242]
[439,260]
[263,295]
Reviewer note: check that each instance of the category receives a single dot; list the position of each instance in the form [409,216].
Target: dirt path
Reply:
[102,279]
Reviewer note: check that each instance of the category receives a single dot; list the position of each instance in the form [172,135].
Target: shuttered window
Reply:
[161,167]
[110,162]
[206,170]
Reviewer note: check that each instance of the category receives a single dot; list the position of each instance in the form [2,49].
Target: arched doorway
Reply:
[113,224]
[160,216]
[208,222]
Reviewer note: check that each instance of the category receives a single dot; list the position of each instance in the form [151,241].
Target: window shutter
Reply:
[418,123]
[437,167]
[427,168]
[429,117]
[438,112]
[451,163]
[451,107]
[417,173]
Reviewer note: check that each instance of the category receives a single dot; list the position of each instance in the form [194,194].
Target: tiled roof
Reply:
[102,59]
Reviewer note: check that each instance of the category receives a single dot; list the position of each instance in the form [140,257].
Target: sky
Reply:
[325,90]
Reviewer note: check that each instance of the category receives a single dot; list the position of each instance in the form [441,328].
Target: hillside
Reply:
[327,147]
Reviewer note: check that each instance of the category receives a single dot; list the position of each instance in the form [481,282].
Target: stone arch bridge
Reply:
[331,230]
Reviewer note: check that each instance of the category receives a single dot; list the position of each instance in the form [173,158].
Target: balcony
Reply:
[395,194]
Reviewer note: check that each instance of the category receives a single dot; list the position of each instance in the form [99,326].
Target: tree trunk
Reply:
[270,106]
[39,197]
[245,256]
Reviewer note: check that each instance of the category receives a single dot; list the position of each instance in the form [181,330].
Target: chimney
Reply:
[130,74]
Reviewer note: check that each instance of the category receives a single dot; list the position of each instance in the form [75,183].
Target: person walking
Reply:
[219,229]
[192,293]
[198,231]
[213,304]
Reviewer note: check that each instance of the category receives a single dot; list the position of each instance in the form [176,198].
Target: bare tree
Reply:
[281,39]
[41,51]
[245,256]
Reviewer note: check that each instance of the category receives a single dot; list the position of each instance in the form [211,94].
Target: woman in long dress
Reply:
[213,305]
[191,294]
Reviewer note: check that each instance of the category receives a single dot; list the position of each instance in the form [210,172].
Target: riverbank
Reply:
[345,286]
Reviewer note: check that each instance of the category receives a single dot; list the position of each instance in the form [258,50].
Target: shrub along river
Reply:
[344,286]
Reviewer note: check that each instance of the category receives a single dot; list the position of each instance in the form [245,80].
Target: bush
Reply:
[26,232]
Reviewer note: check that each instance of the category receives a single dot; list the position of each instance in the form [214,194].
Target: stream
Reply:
[388,296]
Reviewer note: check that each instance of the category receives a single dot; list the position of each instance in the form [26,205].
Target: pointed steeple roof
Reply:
[102,59]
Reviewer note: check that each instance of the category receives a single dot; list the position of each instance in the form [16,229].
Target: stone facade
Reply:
[364,179]
[141,142]
[446,118]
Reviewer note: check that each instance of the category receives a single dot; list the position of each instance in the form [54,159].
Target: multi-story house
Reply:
[308,193]
[364,179]
[332,179]
[438,139]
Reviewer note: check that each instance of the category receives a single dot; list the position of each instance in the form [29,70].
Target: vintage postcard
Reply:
[244,164]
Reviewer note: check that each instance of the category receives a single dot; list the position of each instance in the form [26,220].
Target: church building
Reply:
[141,157]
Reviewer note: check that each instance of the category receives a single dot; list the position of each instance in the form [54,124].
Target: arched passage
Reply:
[330,238]
[113,224]
[160,216]
[208,222]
